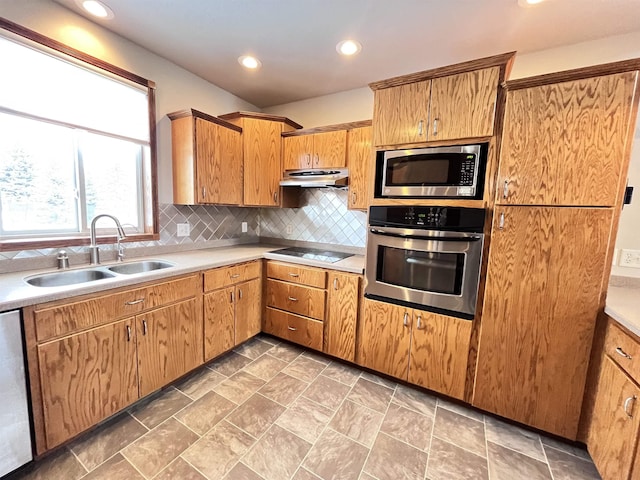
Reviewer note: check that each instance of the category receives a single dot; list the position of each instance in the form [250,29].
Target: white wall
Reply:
[176,88]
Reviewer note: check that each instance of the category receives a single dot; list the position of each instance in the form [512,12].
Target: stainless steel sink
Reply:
[140,267]
[58,279]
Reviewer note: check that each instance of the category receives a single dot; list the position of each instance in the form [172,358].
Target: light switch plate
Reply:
[244,227]
[289,229]
[184,229]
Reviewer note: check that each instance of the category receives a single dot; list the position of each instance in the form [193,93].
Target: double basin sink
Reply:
[73,277]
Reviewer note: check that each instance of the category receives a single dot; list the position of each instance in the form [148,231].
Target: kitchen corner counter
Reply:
[623,304]
[16,293]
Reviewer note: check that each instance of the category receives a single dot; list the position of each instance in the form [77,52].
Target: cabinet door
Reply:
[219,323]
[565,144]
[400,114]
[169,344]
[613,432]
[360,163]
[248,310]
[541,301]
[227,172]
[463,106]
[297,152]
[330,149]
[439,352]
[262,162]
[385,337]
[87,377]
[205,159]
[342,315]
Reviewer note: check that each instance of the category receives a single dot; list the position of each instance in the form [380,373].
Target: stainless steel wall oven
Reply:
[426,257]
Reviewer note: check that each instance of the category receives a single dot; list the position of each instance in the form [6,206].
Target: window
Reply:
[76,142]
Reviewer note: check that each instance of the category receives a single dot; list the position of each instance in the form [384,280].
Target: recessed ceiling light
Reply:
[348,47]
[528,3]
[96,8]
[249,62]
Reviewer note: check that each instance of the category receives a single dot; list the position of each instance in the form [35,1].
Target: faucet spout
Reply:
[93,248]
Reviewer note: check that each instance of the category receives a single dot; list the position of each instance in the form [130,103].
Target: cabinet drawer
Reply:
[624,350]
[313,277]
[61,319]
[295,328]
[224,276]
[296,298]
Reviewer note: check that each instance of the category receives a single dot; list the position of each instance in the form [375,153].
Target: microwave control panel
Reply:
[468,170]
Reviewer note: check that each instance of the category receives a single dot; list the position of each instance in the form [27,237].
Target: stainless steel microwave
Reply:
[438,172]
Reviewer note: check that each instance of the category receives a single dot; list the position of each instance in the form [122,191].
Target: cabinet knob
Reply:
[435,126]
[628,402]
[622,353]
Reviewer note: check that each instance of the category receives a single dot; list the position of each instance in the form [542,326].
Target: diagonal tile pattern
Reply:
[271,411]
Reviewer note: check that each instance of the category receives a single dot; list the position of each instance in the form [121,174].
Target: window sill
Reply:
[7,245]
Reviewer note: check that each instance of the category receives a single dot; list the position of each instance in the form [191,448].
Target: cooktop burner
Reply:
[314,254]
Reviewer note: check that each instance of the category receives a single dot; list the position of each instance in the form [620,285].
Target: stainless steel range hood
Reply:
[318,177]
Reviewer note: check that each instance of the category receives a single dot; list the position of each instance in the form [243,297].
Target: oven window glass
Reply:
[425,170]
[427,271]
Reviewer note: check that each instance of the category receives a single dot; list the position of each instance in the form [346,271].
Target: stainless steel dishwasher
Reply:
[15,432]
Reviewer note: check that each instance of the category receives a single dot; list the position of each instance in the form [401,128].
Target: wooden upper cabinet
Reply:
[567,143]
[615,424]
[544,277]
[401,114]
[262,157]
[342,315]
[464,105]
[317,150]
[86,378]
[360,163]
[207,159]
[170,344]
[439,352]
[385,338]
[298,152]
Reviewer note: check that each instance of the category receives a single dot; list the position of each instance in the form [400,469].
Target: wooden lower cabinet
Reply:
[420,347]
[233,310]
[87,377]
[615,423]
[341,319]
[295,328]
[544,277]
[169,344]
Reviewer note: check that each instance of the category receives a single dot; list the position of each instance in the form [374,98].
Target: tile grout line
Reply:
[544,453]
[128,460]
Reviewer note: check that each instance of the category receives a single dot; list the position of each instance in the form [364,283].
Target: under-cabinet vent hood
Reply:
[318,177]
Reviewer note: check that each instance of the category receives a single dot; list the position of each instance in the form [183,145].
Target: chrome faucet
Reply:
[93,248]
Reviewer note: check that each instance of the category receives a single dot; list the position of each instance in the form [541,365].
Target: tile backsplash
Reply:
[323,219]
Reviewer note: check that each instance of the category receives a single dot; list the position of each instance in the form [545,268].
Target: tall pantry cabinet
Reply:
[563,163]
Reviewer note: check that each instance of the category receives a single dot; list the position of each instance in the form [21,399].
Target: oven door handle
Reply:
[448,238]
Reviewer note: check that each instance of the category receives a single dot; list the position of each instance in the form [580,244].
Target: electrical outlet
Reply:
[289,229]
[630,258]
[184,229]
[244,227]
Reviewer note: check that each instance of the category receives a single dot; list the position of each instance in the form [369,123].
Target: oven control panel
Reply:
[433,218]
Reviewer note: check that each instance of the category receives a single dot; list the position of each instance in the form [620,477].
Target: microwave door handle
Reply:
[464,237]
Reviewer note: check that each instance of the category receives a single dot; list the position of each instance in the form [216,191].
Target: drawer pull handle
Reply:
[405,320]
[134,302]
[292,329]
[419,325]
[622,353]
[240,293]
[128,333]
[232,297]
[293,299]
[628,402]
[335,283]
[235,275]
[295,275]
[144,327]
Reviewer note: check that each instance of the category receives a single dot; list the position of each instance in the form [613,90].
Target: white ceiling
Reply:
[296,39]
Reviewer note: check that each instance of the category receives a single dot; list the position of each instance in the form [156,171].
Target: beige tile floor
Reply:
[271,411]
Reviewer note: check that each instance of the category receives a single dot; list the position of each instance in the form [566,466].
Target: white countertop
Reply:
[16,293]
[623,305]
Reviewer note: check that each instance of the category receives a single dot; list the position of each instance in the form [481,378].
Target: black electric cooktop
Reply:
[314,254]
